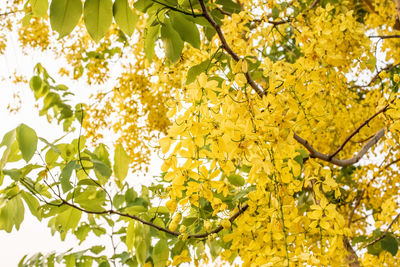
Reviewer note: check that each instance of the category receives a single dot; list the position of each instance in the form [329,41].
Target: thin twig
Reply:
[227,48]
[353,210]
[397,10]
[384,233]
[10,12]
[223,12]
[384,36]
[178,10]
[340,162]
[358,129]
[313,4]
[83,167]
[273,22]
[377,76]
[391,163]
[352,258]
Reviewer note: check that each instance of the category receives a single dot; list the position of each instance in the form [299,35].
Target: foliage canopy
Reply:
[277,121]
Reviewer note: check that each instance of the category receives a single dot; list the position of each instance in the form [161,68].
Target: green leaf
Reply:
[275,12]
[375,249]
[229,6]
[32,203]
[82,232]
[51,156]
[98,16]
[39,7]
[142,5]
[125,17]
[118,200]
[11,213]
[87,182]
[130,235]
[160,209]
[135,209]
[27,141]
[8,140]
[141,243]
[130,195]
[121,163]
[101,169]
[91,198]
[66,175]
[390,244]
[67,220]
[52,146]
[15,174]
[160,253]
[235,179]
[151,34]
[104,264]
[35,83]
[65,15]
[173,43]
[186,29]
[196,70]
[97,249]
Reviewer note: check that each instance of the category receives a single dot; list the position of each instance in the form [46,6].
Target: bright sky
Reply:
[34,236]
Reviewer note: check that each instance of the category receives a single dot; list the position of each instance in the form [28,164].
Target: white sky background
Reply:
[34,236]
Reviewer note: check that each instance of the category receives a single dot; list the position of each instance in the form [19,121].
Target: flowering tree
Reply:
[277,121]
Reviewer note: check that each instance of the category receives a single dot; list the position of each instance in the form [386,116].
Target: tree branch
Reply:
[384,36]
[162,229]
[340,162]
[178,10]
[398,9]
[223,12]
[219,228]
[227,48]
[314,3]
[376,77]
[357,130]
[10,12]
[384,234]
[353,210]
[352,258]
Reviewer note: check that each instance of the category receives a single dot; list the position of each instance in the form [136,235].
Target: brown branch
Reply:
[10,12]
[391,163]
[362,140]
[280,22]
[387,68]
[398,9]
[384,36]
[377,76]
[219,228]
[384,234]
[223,12]
[357,130]
[313,4]
[340,162]
[370,7]
[352,257]
[227,48]
[177,9]
[353,210]
[165,230]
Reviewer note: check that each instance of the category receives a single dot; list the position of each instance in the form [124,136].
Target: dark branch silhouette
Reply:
[358,130]
[227,48]
[340,162]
